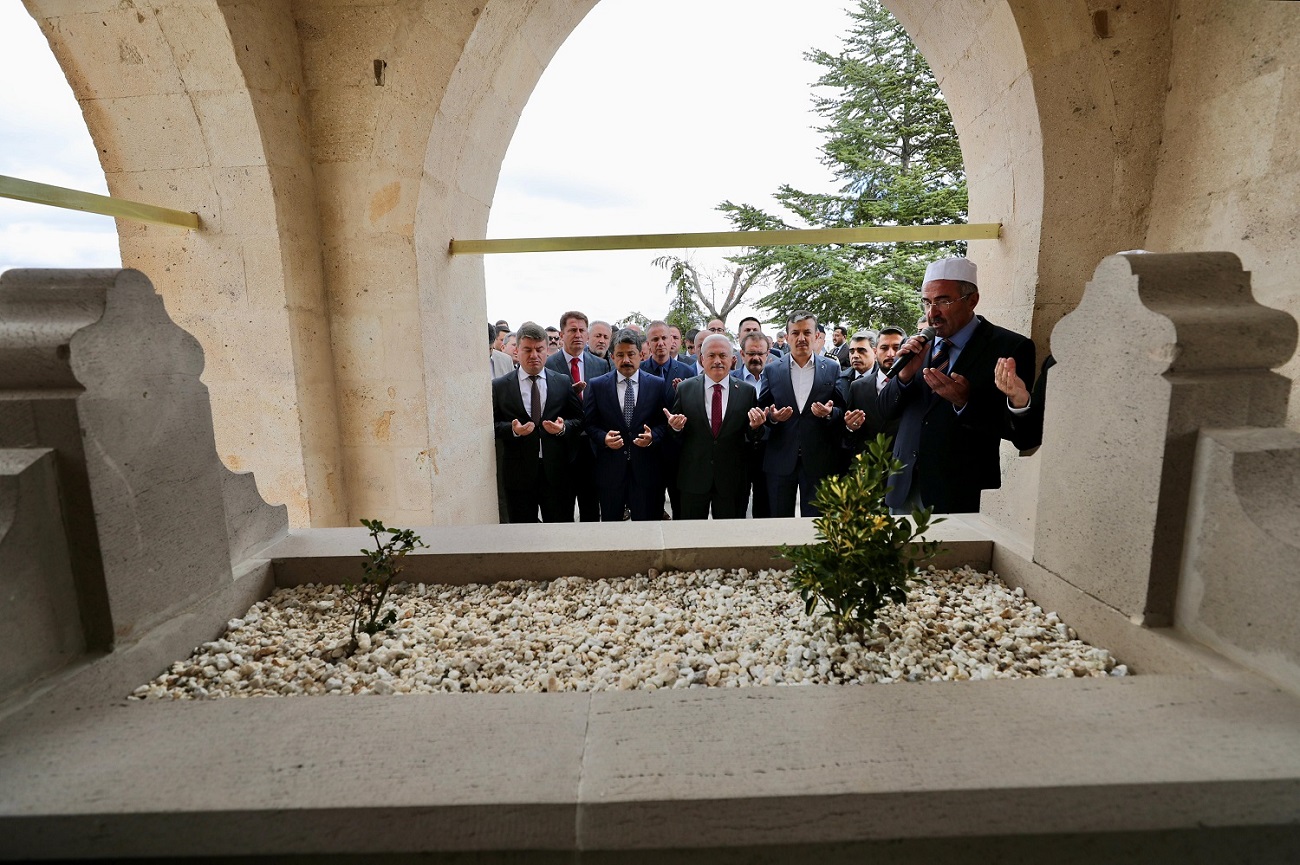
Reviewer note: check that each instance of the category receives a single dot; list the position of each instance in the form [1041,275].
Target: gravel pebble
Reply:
[703,629]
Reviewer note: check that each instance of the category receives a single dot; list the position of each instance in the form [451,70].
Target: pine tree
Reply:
[891,143]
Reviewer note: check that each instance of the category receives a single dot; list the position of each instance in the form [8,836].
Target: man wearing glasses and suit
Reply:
[951,415]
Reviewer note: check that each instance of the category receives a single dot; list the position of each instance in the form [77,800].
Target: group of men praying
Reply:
[629,423]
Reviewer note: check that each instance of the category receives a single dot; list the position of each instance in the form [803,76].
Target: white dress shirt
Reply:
[620,387]
[568,364]
[801,379]
[526,391]
[708,398]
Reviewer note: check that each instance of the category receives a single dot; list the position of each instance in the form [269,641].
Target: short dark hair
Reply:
[750,318]
[492,333]
[841,329]
[800,315]
[892,328]
[627,336]
[691,334]
[750,337]
[868,335]
[573,313]
[531,330]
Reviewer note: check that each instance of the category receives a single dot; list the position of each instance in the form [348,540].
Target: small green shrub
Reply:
[864,556]
[381,566]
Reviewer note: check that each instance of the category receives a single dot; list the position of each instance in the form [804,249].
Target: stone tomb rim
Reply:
[1191,742]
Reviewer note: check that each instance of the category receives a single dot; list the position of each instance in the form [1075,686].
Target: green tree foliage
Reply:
[890,141]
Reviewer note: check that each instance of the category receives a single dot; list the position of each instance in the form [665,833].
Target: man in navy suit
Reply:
[574,360]
[951,414]
[625,418]
[716,417]
[755,353]
[537,421]
[664,364]
[799,394]
[862,418]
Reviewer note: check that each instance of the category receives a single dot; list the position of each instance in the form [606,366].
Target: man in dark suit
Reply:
[1024,410]
[951,415]
[537,420]
[839,348]
[755,354]
[715,417]
[574,360]
[625,418]
[665,365]
[862,418]
[799,392]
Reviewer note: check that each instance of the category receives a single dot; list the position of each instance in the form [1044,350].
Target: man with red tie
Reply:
[578,363]
[716,418]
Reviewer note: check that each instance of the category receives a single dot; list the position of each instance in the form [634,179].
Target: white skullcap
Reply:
[962,269]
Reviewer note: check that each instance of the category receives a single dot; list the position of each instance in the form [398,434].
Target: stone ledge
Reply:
[474,554]
[669,770]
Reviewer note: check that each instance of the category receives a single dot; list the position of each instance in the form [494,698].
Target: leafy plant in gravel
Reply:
[381,566]
[864,555]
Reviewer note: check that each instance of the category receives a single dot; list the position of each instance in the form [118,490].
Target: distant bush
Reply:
[864,556]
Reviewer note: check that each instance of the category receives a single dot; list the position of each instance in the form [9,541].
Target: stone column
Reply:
[1160,347]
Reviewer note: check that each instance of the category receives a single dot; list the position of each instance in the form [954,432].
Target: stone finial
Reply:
[92,367]
[1159,347]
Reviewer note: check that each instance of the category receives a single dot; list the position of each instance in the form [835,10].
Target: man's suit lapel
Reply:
[515,400]
[733,416]
[555,394]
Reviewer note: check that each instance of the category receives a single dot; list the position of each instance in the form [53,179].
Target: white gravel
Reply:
[678,630]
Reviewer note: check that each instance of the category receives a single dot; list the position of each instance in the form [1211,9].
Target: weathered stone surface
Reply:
[1240,590]
[94,369]
[1142,367]
[39,616]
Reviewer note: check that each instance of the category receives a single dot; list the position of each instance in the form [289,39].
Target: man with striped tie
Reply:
[951,415]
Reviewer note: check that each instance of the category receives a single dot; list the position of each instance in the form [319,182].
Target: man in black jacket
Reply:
[950,412]
[716,417]
[537,422]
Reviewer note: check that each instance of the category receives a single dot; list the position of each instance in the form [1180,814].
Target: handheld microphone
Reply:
[901,359]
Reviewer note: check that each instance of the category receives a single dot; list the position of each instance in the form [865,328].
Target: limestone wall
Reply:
[178,122]
[1229,173]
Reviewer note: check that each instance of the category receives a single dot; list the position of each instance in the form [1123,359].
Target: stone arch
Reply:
[320,285]
[182,117]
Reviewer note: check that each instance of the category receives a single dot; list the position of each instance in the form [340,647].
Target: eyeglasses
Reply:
[943,302]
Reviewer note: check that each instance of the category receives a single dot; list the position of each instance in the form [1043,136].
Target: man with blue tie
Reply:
[625,418]
[951,415]
[574,360]
[664,364]
[799,393]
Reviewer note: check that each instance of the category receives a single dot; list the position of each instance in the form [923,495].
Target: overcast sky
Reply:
[648,117]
